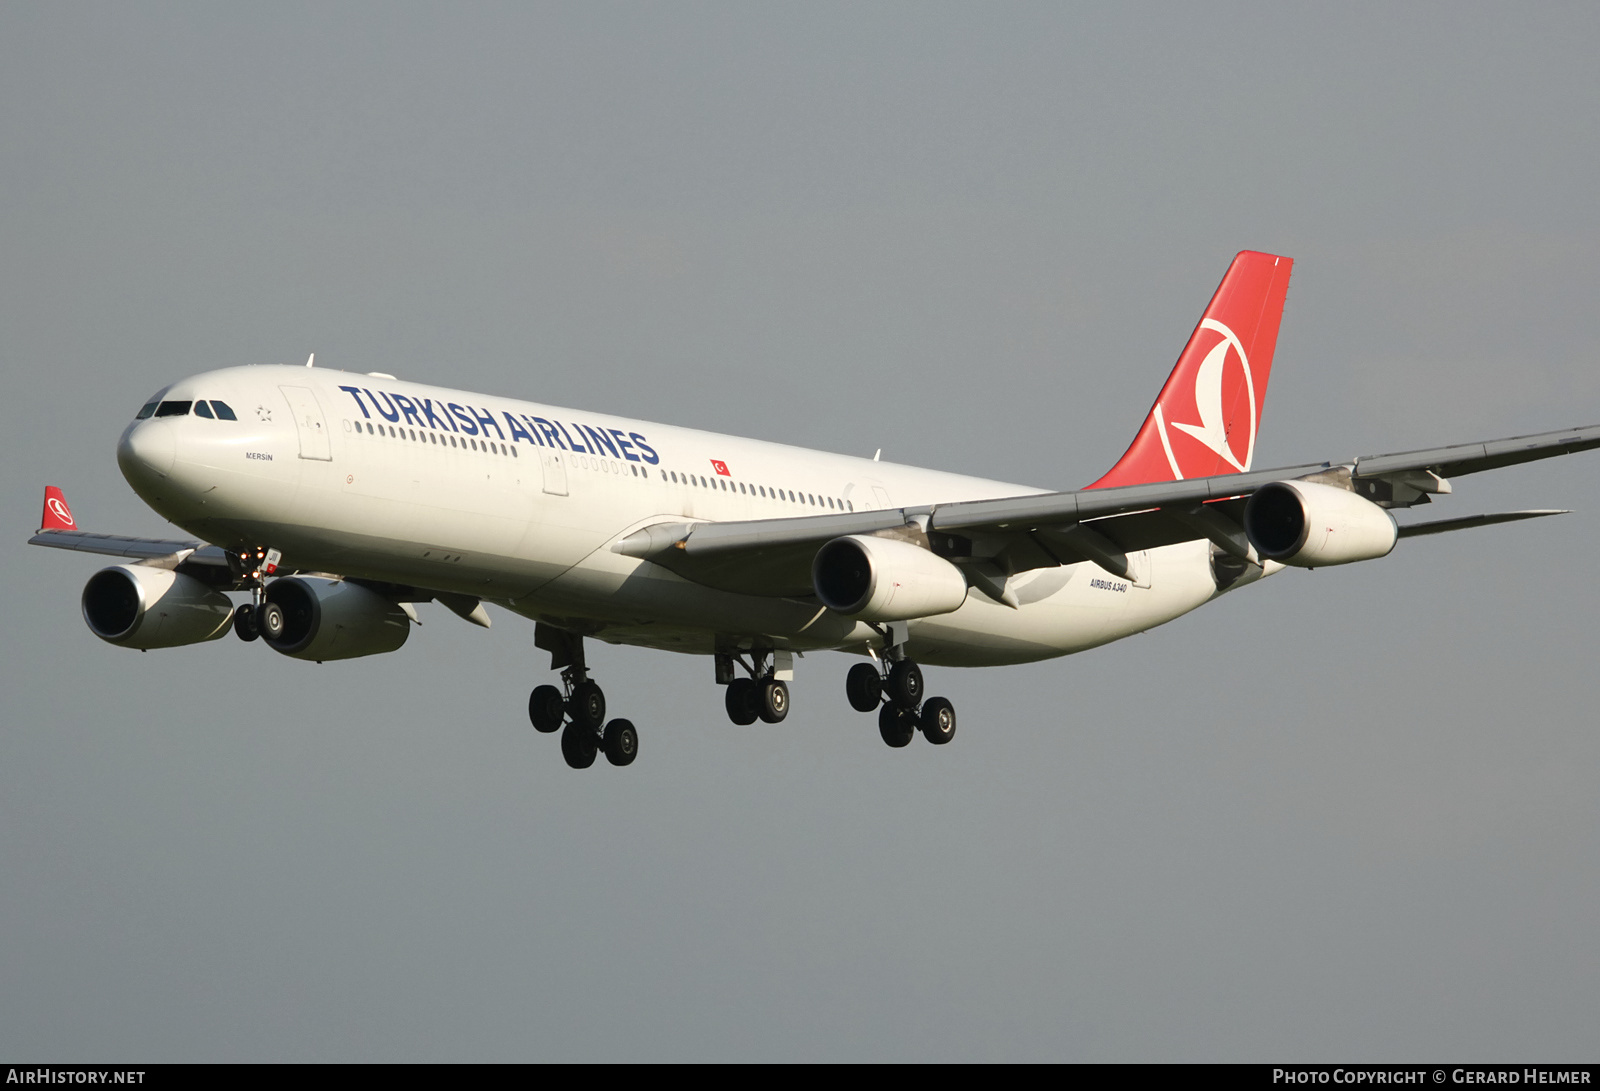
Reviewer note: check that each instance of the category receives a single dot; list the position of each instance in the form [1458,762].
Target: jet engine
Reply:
[1309,525]
[885,579]
[137,606]
[334,619]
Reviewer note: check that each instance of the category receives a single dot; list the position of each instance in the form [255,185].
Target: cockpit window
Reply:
[173,409]
[201,409]
[223,411]
[145,413]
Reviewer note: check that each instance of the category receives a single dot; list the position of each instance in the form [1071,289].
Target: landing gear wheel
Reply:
[578,745]
[244,623]
[741,701]
[546,709]
[271,621]
[621,742]
[863,688]
[938,720]
[587,707]
[774,701]
[896,725]
[905,684]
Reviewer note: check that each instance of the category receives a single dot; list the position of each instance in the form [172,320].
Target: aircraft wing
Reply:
[141,549]
[1014,534]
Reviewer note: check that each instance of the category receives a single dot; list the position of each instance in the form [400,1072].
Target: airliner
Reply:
[334,503]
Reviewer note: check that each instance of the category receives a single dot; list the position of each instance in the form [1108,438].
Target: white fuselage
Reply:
[519,503]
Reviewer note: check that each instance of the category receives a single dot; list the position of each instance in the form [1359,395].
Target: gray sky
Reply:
[1345,814]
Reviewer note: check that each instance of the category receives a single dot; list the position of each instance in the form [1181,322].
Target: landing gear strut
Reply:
[893,686]
[581,707]
[762,696]
[258,617]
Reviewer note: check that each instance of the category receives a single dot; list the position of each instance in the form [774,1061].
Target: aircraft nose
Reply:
[147,451]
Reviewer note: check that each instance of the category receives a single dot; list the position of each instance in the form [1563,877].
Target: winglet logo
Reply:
[1214,429]
[57,516]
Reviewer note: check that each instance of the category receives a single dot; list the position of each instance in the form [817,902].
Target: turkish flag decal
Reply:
[721,467]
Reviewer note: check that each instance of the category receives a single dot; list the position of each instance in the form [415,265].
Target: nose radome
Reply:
[147,451]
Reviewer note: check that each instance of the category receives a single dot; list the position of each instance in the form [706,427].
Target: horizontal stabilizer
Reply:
[1439,526]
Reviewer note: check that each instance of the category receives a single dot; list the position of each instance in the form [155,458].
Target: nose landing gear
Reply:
[258,617]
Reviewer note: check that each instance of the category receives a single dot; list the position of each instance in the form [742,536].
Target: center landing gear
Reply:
[897,695]
[581,708]
[762,696]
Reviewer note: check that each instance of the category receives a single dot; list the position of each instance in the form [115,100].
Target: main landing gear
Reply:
[893,686]
[578,708]
[762,696]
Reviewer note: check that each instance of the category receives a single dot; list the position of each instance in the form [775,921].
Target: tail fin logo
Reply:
[1214,429]
[57,516]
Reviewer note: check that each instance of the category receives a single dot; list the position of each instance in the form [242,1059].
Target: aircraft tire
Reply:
[546,709]
[740,700]
[905,684]
[271,621]
[579,745]
[587,706]
[774,701]
[621,742]
[896,725]
[863,688]
[938,720]
[244,623]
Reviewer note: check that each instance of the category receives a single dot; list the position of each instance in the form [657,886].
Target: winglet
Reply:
[57,516]
[1205,420]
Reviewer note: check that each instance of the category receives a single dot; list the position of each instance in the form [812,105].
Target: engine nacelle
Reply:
[333,619]
[885,579]
[137,606]
[1309,525]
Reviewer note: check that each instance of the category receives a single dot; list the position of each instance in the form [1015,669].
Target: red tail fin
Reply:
[57,516]
[1204,421]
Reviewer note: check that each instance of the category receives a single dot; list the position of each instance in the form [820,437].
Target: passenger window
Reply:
[173,409]
[201,409]
[224,412]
